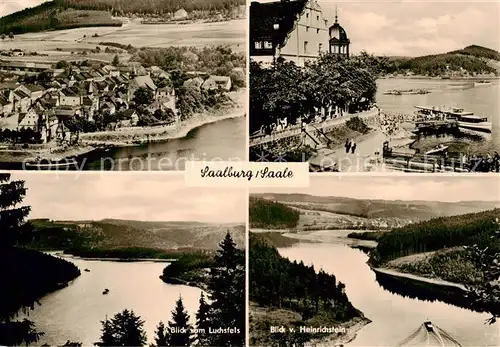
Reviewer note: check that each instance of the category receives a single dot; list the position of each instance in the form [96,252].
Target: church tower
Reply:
[339,42]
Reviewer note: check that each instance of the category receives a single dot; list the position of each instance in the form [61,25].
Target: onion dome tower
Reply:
[339,42]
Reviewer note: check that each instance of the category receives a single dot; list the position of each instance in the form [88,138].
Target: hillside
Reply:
[471,60]
[67,14]
[383,209]
[111,234]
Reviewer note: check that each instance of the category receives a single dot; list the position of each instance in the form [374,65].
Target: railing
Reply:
[295,130]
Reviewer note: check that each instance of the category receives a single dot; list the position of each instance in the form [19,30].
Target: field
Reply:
[231,33]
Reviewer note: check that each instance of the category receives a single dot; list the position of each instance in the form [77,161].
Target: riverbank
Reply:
[351,329]
[71,256]
[136,136]
[49,153]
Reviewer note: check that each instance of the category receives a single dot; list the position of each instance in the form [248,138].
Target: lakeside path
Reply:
[155,260]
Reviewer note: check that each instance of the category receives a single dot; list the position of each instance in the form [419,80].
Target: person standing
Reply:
[353,147]
[347,145]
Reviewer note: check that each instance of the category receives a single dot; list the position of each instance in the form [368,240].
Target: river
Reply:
[74,313]
[483,100]
[393,317]
[223,140]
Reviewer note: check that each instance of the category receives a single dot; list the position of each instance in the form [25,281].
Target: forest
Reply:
[289,91]
[470,59]
[438,233]
[265,214]
[276,282]
[68,14]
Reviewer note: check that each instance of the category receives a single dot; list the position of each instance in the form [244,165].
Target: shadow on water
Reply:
[409,288]
[191,134]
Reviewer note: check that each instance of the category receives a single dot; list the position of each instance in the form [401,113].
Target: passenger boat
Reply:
[481,83]
[429,334]
[465,119]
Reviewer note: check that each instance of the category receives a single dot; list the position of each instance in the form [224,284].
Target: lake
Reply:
[74,313]
[393,317]
[483,101]
[223,140]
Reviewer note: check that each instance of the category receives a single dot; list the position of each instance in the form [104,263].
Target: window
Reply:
[268,44]
[258,45]
[317,18]
[320,46]
[307,15]
[317,31]
[305,46]
[307,29]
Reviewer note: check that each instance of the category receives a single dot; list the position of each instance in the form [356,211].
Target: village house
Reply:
[195,83]
[140,82]
[297,31]
[22,101]
[6,106]
[222,83]
[70,97]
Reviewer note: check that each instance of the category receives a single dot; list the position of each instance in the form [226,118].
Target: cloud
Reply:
[446,189]
[138,196]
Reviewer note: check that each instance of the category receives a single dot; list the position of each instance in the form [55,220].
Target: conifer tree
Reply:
[13,230]
[203,323]
[180,331]
[124,329]
[227,288]
[161,336]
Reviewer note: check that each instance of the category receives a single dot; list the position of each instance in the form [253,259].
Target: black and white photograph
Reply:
[125,85]
[120,260]
[387,86]
[376,261]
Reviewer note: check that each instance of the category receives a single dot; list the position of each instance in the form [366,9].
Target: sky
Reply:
[11,6]
[133,196]
[414,28]
[445,189]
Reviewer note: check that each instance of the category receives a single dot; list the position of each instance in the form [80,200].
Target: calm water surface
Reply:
[223,140]
[483,100]
[393,317]
[74,313]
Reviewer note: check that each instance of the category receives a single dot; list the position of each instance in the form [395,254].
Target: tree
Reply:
[180,331]
[124,329]
[161,335]
[11,35]
[14,230]
[487,293]
[203,323]
[116,60]
[227,294]
[63,64]
[143,96]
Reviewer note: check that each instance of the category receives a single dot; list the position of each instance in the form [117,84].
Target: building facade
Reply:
[296,30]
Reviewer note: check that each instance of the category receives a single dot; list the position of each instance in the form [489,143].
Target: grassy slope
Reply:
[435,248]
[67,14]
[384,209]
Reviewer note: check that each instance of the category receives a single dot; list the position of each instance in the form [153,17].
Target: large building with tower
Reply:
[296,30]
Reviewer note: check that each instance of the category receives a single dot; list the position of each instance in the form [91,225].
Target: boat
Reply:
[105,291]
[438,149]
[49,164]
[429,334]
[465,119]
[475,123]
[481,83]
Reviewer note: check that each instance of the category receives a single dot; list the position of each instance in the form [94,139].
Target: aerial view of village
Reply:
[121,85]
[355,86]
[393,260]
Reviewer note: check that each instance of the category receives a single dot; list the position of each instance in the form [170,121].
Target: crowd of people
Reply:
[391,124]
